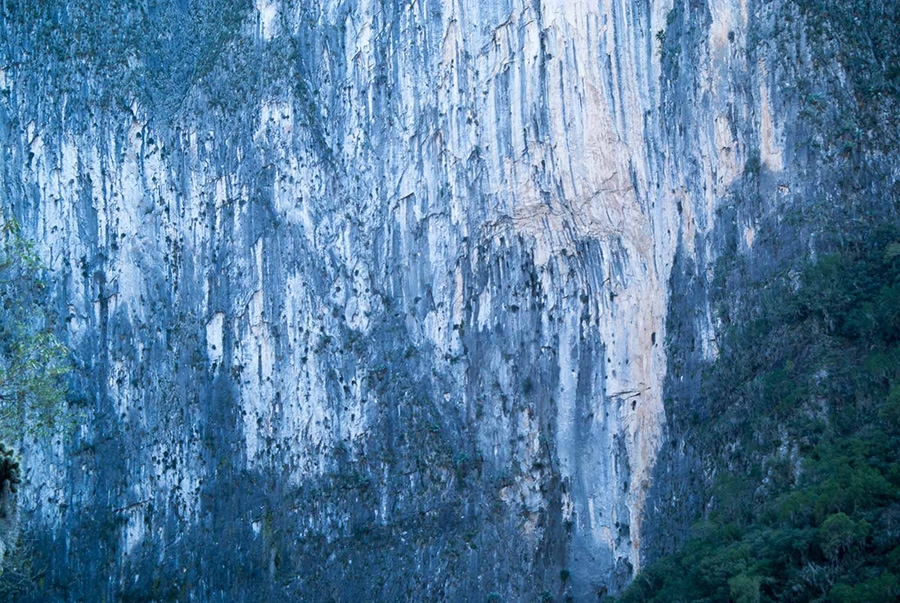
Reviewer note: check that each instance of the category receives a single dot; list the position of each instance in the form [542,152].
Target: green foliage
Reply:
[10,471]
[32,361]
[839,535]
[802,428]
[33,364]
[744,588]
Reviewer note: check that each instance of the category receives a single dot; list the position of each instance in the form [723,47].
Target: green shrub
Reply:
[807,396]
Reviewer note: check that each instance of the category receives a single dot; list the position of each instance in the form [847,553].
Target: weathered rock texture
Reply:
[369,299]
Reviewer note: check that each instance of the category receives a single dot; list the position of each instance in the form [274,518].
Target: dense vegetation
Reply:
[800,422]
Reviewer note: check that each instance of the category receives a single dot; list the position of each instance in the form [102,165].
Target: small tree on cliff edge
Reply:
[32,366]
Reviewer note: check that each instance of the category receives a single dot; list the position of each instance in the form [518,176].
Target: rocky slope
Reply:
[370,299]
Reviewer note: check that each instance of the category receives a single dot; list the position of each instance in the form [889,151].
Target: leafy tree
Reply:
[33,363]
[32,360]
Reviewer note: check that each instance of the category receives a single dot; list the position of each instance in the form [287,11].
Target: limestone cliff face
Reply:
[369,299]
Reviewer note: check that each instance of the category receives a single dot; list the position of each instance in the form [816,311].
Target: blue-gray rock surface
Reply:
[392,300]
